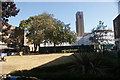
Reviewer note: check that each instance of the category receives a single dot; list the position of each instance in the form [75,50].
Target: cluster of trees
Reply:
[44,28]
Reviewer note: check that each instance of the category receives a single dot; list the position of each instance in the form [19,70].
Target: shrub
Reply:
[89,63]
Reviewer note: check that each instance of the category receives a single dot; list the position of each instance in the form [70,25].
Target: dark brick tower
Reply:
[79,24]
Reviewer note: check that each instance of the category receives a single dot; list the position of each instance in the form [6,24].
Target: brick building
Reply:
[79,24]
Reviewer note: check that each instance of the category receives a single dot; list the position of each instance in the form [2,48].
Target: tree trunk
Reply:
[35,47]
[54,47]
[39,47]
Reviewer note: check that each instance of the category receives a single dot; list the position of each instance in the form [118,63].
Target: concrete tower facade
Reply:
[79,24]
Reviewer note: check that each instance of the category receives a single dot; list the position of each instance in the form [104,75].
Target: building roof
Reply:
[117,17]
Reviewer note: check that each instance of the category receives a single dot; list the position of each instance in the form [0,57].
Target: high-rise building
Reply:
[79,24]
[116,23]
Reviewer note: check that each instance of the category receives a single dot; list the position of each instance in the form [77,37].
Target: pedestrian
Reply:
[21,53]
[3,57]
[3,54]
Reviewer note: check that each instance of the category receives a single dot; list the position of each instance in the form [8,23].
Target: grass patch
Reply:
[73,71]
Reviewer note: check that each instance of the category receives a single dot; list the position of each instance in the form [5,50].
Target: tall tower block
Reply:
[79,24]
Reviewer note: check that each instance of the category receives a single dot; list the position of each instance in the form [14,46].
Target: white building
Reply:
[42,44]
[84,40]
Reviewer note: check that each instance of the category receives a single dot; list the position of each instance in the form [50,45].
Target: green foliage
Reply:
[36,28]
[44,28]
[86,48]
[8,9]
[98,35]
[95,63]
[88,62]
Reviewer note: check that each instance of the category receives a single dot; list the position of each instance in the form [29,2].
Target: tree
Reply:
[61,34]
[98,37]
[8,9]
[54,35]
[44,28]
[36,27]
[69,35]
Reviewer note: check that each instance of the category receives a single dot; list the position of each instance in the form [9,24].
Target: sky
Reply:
[93,12]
